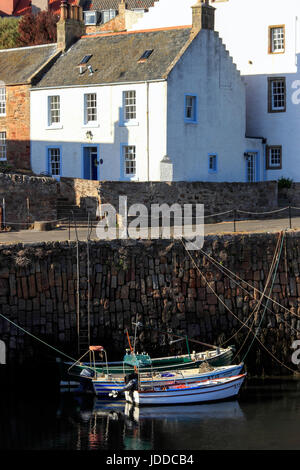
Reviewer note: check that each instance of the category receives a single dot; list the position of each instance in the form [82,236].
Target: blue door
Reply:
[90,163]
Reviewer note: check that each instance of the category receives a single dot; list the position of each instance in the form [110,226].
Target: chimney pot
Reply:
[70,27]
[63,10]
[203,16]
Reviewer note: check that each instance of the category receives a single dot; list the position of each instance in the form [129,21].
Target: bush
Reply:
[9,35]
[5,168]
[285,182]
[37,29]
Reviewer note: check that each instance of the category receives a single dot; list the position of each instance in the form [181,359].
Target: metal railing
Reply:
[235,216]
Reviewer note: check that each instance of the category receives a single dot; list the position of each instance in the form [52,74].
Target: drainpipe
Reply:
[296,40]
[265,160]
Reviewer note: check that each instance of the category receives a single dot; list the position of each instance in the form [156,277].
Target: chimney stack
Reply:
[122,7]
[203,16]
[70,26]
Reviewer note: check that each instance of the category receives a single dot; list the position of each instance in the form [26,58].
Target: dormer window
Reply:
[90,17]
[107,15]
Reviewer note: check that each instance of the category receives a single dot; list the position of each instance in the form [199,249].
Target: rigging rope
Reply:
[260,301]
[224,268]
[235,316]
[271,288]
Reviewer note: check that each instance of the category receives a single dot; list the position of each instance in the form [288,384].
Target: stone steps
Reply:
[66,210]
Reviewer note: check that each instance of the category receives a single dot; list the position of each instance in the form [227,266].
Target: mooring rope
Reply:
[224,268]
[235,316]
[256,309]
[35,337]
[271,288]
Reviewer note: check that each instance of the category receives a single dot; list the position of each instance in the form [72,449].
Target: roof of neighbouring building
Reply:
[115,56]
[114,4]
[18,65]
[24,6]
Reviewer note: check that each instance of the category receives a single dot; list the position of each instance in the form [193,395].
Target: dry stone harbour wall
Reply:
[155,283]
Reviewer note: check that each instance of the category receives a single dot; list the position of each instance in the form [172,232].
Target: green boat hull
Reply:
[223,358]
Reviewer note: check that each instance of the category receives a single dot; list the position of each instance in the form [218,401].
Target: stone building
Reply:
[19,68]
[22,7]
[113,15]
[115,105]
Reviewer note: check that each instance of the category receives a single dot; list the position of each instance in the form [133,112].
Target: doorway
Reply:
[252,167]
[90,163]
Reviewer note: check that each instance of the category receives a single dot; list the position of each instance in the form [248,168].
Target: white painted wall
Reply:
[107,133]
[207,71]
[244,26]
[166,13]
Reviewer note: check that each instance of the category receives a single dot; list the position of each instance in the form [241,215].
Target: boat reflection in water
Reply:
[97,424]
[141,428]
[224,410]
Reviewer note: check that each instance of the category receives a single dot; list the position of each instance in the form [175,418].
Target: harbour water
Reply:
[265,416]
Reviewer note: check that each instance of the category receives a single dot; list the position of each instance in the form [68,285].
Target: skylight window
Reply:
[146,55]
[85,59]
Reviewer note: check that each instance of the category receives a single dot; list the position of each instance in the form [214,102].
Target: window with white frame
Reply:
[3,146]
[107,15]
[90,17]
[190,111]
[54,110]
[276,95]
[90,105]
[2,101]
[54,161]
[129,159]
[274,157]
[276,39]
[129,103]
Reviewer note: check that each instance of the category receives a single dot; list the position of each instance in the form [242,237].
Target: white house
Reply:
[155,105]
[263,37]
[265,44]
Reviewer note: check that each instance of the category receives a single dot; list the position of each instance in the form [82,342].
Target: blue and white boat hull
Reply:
[103,385]
[204,391]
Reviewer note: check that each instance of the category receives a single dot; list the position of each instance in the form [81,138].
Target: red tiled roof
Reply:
[54,5]
[24,6]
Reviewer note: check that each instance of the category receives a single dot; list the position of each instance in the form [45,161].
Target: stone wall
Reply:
[40,191]
[157,284]
[290,195]
[216,197]
[81,192]
[16,124]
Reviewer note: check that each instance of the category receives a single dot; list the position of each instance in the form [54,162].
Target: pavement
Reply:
[60,234]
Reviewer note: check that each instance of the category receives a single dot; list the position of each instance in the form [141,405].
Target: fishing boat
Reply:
[199,392]
[217,357]
[104,384]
